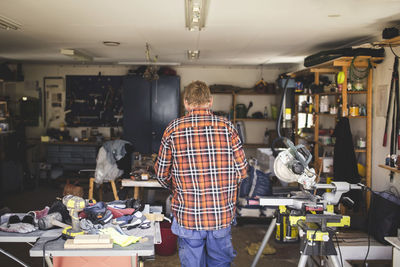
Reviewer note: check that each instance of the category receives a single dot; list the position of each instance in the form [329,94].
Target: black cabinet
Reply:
[148,108]
[72,156]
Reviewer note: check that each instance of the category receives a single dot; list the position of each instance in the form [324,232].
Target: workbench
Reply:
[29,238]
[395,242]
[137,185]
[117,256]
[124,256]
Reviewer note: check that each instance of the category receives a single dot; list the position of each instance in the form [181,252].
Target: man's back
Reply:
[202,161]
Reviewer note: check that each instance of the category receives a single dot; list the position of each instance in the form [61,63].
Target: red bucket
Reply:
[168,243]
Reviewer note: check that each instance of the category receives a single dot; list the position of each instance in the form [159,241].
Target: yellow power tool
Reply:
[74,205]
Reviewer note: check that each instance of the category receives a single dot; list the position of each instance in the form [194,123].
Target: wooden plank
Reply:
[69,244]
[360,150]
[325,70]
[357,92]
[392,169]
[90,239]
[114,189]
[393,42]
[369,136]
[344,93]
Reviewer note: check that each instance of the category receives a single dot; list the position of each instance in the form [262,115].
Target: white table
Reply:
[395,242]
[140,184]
[143,248]
[28,238]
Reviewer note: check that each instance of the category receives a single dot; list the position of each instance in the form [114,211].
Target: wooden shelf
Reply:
[222,93]
[357,92]
[255,93]
[393,42]
[357,117]
[392,169]
[329,93]
[333,66]
[253,119]
[360,150]
[326,114]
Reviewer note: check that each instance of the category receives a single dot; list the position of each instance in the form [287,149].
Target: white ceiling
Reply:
[237,32]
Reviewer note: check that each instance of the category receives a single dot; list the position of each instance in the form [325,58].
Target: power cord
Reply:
[366,188]
[44,248]
[340,252]
[390,45]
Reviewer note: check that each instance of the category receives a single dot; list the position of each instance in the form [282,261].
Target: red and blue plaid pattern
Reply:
[202,161]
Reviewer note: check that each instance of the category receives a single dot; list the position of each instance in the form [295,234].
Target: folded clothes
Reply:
[124,219]
[89,227]
[120,212]
[138,220]
[20,227]
[119,238]
[117,204]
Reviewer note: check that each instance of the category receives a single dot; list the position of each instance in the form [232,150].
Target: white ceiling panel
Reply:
[237,32]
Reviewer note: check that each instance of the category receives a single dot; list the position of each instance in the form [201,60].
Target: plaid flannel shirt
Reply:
[202,161]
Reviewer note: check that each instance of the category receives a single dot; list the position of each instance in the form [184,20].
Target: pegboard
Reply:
[93,100]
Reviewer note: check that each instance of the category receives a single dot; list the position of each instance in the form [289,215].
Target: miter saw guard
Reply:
[291,165]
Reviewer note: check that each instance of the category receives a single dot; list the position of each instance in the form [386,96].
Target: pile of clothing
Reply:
[113,218]
[125,214]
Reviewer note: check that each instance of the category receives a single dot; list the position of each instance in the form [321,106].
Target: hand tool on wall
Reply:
[74,204]
[393,94]
[393,85]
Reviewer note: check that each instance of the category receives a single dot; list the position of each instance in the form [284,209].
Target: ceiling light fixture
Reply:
[193,54]
[9,24]
[195,14]
[75,54]
[334,15]
[149,63]
[111,43]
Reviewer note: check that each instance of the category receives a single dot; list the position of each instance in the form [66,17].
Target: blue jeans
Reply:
[204,248]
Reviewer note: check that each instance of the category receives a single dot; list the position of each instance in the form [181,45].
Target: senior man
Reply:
[202,161]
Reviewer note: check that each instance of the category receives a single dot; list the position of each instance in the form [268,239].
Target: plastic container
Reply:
[168,244]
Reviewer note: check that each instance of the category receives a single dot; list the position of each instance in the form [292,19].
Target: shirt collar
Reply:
[200,111]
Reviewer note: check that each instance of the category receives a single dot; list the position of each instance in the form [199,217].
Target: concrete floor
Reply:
[287,254]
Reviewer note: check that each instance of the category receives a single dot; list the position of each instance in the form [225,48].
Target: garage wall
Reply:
[239,76]
[381,82]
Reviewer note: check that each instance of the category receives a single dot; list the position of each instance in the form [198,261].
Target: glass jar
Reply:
[361,143]
[358,85]
[324,104]
[354,110]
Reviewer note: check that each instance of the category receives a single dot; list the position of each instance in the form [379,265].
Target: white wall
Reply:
[242,77]
[238,76]
[382,76]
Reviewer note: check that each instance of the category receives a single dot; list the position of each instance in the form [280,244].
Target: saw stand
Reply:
[316,241]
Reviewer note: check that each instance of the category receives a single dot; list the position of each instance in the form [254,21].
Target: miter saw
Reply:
[310,214]
[313,215]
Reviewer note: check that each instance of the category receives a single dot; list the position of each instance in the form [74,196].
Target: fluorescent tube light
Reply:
[195,14]
[75,54]
[9,24]
[149,63]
